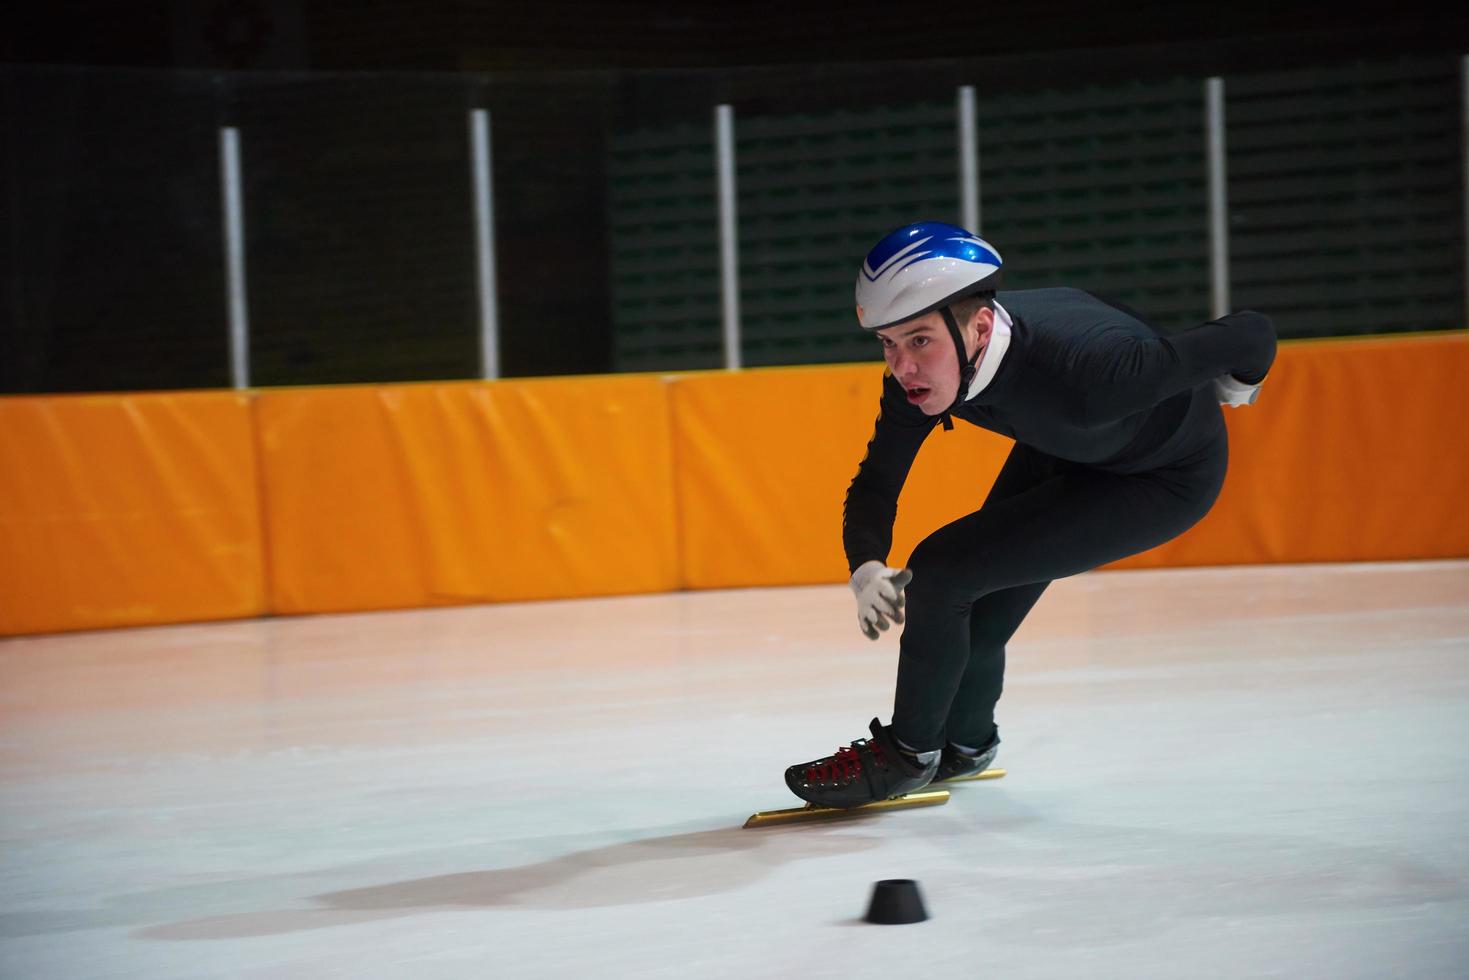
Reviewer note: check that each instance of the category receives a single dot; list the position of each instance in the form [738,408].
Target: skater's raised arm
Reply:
[872,497]
[1119,373]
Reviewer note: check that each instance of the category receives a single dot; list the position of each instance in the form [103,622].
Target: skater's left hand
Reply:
[1233,392]
[879,591]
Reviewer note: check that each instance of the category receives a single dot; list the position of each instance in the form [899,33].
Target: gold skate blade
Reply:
[811,812]
[987,774]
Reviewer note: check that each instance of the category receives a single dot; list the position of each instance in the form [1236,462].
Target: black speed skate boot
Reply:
[867,771]
[954,763]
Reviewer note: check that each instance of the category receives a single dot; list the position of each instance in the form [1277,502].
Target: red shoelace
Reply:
[843,767]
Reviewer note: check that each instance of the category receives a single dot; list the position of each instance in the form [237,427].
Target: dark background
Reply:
[559,35]
[345,246]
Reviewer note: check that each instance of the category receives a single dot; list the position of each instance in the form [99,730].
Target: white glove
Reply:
[1234,392]
[879,592]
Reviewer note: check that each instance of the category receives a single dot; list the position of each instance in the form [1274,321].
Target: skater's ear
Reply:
[975,316]
[978,327]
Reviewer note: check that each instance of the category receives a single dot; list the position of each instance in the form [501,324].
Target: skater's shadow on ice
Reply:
[654,869]
[1049,871]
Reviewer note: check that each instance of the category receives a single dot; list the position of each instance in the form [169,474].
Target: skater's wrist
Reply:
[864,573]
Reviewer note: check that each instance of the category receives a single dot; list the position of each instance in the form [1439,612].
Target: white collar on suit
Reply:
[989,361]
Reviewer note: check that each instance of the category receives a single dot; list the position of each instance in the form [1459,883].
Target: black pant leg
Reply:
[1069,523]
[992,621]
[994,618]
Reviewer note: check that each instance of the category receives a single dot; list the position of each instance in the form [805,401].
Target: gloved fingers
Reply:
[898,599]
[880,597]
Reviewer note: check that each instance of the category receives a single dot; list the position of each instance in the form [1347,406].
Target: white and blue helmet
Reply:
[921,268]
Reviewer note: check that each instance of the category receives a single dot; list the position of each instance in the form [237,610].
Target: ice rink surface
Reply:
[1248,772]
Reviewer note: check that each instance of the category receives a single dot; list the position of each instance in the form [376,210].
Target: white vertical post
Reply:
[484,241]
[1218,198]
[968,161]
[234,255]
[729,257]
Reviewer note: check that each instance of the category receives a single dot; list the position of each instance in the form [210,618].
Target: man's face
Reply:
[920,355]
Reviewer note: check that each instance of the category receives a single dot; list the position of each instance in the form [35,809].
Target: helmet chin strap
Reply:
[967,367]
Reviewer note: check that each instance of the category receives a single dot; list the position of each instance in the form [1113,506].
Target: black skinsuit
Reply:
[1120,446]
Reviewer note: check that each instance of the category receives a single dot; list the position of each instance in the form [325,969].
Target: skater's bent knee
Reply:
[947,574]
[930,560]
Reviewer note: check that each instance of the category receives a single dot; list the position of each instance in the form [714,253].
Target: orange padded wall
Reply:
[122,510]
[762,458]
[419,495]
[1356,451]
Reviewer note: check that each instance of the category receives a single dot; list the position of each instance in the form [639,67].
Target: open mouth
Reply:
[918,394]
